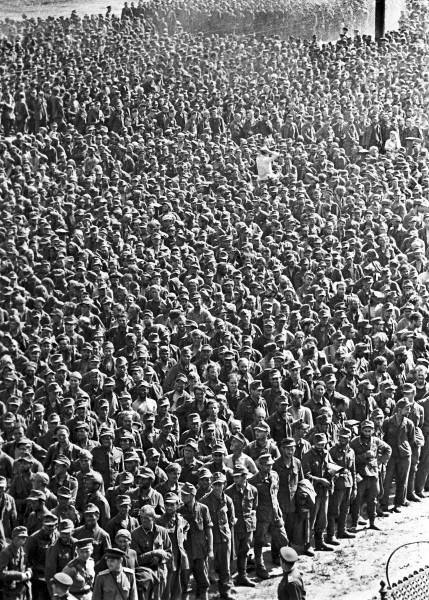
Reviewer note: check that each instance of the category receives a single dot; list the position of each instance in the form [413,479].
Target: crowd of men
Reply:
[214,310]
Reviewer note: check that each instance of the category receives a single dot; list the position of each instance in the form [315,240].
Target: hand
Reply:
[210,554]
[324,482]
[353,495]
[370,454]
[160,553]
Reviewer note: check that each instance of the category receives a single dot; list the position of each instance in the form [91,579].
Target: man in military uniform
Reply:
[61,584]
[65,508]
[15,574]
[268,514]
[37,547]
[315,468]
[153,546]
[371,452]
[199,541]
[117,582]
[81,570]
[222,515]
[144,494]
[122,520]
[345,488]
[60,553]
[290,473]
[291,587]
[93,484]
[107,460]
[100,539]
[177,528]
[245,499]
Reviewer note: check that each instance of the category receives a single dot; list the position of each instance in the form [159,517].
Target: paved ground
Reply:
[355,569]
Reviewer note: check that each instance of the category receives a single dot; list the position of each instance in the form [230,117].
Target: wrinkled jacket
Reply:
[288,482]
[261,512]
[367,466]
[344,457]
[315,467]
[200,521]
[246,502]
[400,437]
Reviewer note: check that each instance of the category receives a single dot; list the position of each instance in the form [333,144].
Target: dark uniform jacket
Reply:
[177,528]
[200,522]
[245,504]
[264,512]
[13,562]
[223,516]
[289,477]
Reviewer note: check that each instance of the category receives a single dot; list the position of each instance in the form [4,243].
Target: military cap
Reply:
[123,533]
[402,403]
[218,477]
[409,388]
[262,426]
[54,418]
[204,472]
[367,423]
[62,579]
[344,432]
[323,419]
[240,438]
[146,473]
[365,384]
[171,498]
[126,477]
[24,441]
[219,447]
[377,412]
[166,422]
[152,453]
[106,431]
[266,459]
[257,384]
[85,542]
[19,532]
[194,417]
[64,492]
[123,500]
[173,468]
[50,519]
[191,443]
[85,454]
[208,426]
[399,350]
[149,416]
[287,442]
[26,457]
[121,361]
[190,489]
[66,526]
[62,460]
[288,554]
[91,508]
[37,495]
[320,438]
[387,385]
[239,470]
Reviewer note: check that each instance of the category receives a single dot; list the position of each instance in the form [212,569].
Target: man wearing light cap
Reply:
[345,488]
[291,587]
[60,553]
[199,541]
[417,416]
[116,582]
[315,468]
[245,499]
[107,460]
[361,407]
[60,584]
[81,569]
[222,514]
[15,573]
[269,517]
[153,546]
[399,433]
[370,453]
[177,528]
